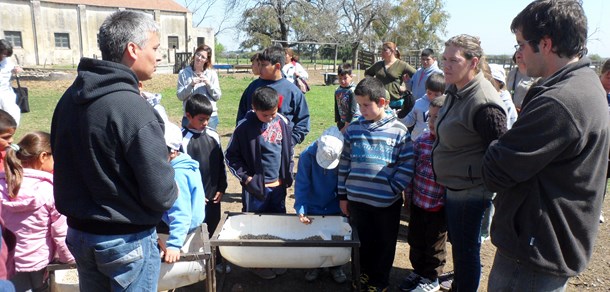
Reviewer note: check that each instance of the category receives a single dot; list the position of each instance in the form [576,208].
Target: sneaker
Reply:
[264,273]
[371,288]
[446,284]
[601,218]
[426,285]
[338,275]
[446,279]
[364,281]
[223,268]
[410,282]
[312,275]
[279,271]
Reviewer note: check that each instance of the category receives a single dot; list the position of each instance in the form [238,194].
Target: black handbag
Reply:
[22,97]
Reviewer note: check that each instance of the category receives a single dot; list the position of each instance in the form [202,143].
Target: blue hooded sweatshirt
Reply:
[315,188]
[188,211]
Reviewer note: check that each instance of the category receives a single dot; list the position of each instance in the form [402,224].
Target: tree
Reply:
[260,27]
[219,49]
[415,24]
[201,12]
[357,17]
[267,20]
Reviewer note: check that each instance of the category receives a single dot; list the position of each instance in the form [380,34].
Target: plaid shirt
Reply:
[423,191]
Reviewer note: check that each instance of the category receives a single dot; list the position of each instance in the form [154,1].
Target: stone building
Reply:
[60,32]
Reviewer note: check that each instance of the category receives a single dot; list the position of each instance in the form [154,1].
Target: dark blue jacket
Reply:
[243,155]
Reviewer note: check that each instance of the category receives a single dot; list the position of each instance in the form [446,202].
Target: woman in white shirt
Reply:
[8,99]
[199,77]
[293,69]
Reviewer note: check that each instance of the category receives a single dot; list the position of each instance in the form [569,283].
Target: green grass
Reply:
[43,99]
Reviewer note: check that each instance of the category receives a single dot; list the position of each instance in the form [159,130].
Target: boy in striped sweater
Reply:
[376,165]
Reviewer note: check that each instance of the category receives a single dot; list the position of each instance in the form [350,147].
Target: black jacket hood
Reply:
[94,76]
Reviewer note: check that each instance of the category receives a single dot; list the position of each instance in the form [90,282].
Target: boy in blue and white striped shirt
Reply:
[376,165]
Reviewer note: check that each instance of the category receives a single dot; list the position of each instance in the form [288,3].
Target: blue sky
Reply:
[490,20]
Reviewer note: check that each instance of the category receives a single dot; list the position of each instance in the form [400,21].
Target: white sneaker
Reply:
[425,285]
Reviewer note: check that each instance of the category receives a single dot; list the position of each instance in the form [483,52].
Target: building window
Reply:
[62,40]
[172,42]
[200,41]
[14,37]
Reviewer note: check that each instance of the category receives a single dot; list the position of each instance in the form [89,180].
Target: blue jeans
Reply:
[464,210]
[127,262]
[6,286]
[509,275]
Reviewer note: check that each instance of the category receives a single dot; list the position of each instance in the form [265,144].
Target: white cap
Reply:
[173,136]
[330,146]
[498,72]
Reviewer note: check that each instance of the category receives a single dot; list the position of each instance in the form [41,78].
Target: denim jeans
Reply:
[464,210]
[510,275]
[126,262]
[6,286]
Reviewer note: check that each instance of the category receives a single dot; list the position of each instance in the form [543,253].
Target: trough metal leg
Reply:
[356,268]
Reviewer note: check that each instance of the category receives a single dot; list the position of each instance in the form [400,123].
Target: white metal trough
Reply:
[281,241]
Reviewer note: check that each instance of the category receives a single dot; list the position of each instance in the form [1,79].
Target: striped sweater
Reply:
[376,163]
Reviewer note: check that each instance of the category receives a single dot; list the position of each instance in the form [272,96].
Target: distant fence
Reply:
[182,60]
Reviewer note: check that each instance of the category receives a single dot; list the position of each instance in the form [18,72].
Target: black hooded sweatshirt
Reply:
[112,174]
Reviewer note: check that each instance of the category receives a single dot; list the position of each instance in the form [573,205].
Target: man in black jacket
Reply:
[112,178]
[550,169]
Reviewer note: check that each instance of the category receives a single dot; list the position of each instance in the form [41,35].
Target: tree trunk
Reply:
[355,47]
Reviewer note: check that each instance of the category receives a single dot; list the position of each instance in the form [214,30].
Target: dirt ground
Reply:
[595,278]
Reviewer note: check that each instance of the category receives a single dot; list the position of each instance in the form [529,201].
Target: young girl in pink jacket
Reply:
[28,210]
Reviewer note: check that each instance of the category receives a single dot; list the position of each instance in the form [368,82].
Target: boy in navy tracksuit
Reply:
[260,156]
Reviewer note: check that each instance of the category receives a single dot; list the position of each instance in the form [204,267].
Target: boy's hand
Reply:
[248,180]
[171,255]
[343,204]
[218,197]
[304,219]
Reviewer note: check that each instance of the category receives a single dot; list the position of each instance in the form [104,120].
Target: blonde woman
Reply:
[472,117]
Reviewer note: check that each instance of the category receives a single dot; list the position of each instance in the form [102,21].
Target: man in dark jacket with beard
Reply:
[112,178]
[550,169]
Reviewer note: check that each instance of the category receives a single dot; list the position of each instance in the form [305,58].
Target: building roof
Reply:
[164,5]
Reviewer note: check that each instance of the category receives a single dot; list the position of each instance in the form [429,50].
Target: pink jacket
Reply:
[39,228]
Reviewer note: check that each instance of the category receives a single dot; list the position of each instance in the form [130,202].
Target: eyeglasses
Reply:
[519,47]
[201,56]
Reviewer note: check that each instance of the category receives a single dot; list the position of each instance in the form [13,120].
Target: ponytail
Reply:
[24,154]
[13,170]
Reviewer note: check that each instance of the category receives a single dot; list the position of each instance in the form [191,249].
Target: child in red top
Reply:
[427,225]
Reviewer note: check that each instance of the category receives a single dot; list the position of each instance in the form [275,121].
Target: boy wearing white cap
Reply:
[499,76]
[187,213]
[315,189]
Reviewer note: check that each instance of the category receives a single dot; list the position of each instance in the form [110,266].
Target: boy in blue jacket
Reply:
[315,189]
[187,213]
